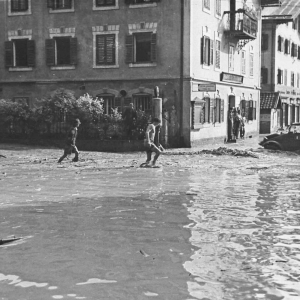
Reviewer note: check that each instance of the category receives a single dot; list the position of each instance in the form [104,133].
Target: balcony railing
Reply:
[241,24]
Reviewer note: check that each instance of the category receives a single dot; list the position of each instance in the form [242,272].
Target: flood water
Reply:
[199,227]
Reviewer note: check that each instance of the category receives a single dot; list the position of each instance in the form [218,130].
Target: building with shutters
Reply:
[202,55]
[280,65]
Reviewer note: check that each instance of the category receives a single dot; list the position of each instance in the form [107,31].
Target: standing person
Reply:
[70,142]
[130,116]
[149,142]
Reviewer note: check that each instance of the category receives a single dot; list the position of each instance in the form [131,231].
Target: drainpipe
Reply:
[273,75]
[181,71]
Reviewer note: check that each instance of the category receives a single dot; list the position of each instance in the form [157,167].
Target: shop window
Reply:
[207,50]
[264,42]
[60,4]
[218,54]
[106,49]
[218,8]
[207,110]
[219,111]
[20,53]
[141,48]
[264,75]
[298,80]
[61,51]
[101,3]
[19,5]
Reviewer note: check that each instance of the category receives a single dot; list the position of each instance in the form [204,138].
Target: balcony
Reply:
[241,24]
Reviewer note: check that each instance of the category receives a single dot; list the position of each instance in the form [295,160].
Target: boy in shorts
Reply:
[70,143]
[149,142]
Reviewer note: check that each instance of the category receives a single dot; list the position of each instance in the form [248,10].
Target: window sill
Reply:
[207,67]
[95,8]
[137,65]
[143,5]
[20,13]
[106,67]
[63,68]
[58,11]
[217,124]
[219,17]
[20,69]
[206,10]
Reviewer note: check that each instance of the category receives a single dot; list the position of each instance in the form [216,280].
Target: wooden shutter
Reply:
[212,111]
[110,49]
[211,53]
[254,109]
[9,56]
[279,76]
[282,45]
[50,52]
[283,114]
[279,43]
[50,3]
[129,48]
[100,50]
[31,53]
[73,51]
[222,110]
[202,50]
[153,47]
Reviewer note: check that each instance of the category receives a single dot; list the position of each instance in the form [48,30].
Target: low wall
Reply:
[84,145]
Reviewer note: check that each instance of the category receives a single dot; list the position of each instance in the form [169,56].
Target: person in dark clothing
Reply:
[130,116]
[71,143]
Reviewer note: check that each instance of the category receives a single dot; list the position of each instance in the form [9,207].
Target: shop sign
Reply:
[207,87]
[234,78]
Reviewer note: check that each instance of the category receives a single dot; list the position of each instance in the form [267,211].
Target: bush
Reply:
[55,115]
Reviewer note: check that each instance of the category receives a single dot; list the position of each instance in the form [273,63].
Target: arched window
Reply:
[108,102]
[142,101]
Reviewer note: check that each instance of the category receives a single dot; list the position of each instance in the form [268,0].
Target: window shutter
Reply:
[31,53]
[222,110]
[73,51]
[110,49]
[129,49]
[50,52]
[282,44]
[100,46]
[202,50]
[212,110]
[279,43]
[50,3]
[250,113]
[9,58]
[211,54]
[283,113]
[153,47]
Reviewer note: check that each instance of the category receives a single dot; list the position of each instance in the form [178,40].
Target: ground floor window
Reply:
[108,103]
[142,102]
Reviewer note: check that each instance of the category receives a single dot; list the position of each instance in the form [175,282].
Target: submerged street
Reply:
[199,227]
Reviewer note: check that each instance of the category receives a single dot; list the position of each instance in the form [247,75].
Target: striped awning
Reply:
[289,9]
[270,100]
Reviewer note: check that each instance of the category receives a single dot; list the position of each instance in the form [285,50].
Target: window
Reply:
[218,8]
[292,79]
[61,51]
[20,53]
[264,42]
[109,103]
[294,50]
[285,77]
[100,3]
[19,5]
[57,5]
[298,80]
[251,68]
[218,54]
[106,49]
[142,102]
[231,58]
[243,62]
[206,4]
[279,76]
[219,110]
[141,48]
[207,51]
[264,75]
[252,110]
[207,110]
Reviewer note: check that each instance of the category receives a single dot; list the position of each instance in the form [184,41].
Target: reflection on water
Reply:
[246,233]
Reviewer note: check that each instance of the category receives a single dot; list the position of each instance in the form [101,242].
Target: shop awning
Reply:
[270,100]
[288,10]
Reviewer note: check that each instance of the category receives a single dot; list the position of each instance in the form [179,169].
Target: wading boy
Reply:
[70,143]
[149,142]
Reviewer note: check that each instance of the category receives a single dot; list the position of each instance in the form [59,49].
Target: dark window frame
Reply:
[105,61]
[105,3]
[19,6]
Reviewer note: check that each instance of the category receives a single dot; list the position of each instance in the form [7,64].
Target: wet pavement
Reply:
[199,227]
